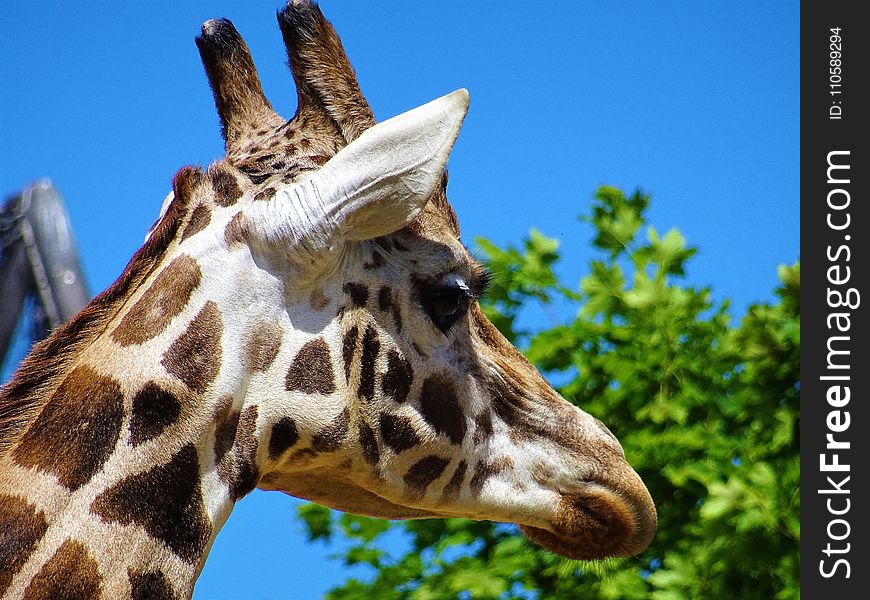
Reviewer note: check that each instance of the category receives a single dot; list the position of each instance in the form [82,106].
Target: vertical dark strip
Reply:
[835,221]
[370,348]
[348,349]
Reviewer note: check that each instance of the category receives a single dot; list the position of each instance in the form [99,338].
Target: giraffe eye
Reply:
[446,304]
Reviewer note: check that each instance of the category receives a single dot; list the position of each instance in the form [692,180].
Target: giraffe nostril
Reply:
[611,517]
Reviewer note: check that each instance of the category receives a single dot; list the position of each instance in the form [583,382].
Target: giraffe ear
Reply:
[375,185]
[382,180]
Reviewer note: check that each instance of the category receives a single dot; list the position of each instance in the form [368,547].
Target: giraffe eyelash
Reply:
[480,281]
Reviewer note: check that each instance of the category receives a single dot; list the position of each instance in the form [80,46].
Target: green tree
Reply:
[707,414]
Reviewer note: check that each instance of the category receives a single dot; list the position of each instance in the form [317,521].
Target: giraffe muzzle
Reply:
[618,520]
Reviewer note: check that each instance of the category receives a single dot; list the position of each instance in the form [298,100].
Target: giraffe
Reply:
[302,317]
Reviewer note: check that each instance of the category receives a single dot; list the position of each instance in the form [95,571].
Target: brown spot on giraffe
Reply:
[247,472]
[162,301]
[153,410]
[257,179]
[439,405]
[348,349]
[331,437]
[23,527]
[195,356]
[484,470]
[77,429]
[267,193]
[166,501]
[235,447]
[283,437]
[370,348]
[398,432]
[398,378]
[386,304]
[71,574]
[318,299]
[482,427]
[543,474]
[359,294]
[424,472]
[224,436]
[311,370]
[199,220]
[225,187]
[503,463]
[453,487]
[261,346]
[185,183]
[236,232]
[369,443]
[318,160]
[153,585]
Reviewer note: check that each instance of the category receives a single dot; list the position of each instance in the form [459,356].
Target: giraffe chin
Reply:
[596,525]
[342,494]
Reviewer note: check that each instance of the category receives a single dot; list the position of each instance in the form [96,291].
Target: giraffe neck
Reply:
[125,492]
[141,537]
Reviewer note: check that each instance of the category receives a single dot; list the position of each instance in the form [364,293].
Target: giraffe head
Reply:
[303,317]
[392,395]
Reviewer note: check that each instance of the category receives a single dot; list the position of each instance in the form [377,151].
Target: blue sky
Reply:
[695,102]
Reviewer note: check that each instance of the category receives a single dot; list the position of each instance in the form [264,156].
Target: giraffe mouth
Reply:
[597,524]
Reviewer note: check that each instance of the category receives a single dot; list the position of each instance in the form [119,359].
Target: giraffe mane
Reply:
[39,375]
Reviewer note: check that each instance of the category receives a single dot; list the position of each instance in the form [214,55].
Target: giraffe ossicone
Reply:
[302,317]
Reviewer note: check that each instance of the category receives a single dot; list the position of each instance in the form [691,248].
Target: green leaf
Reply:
[362,528]
[616,219]
[317,520]
[603,289]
